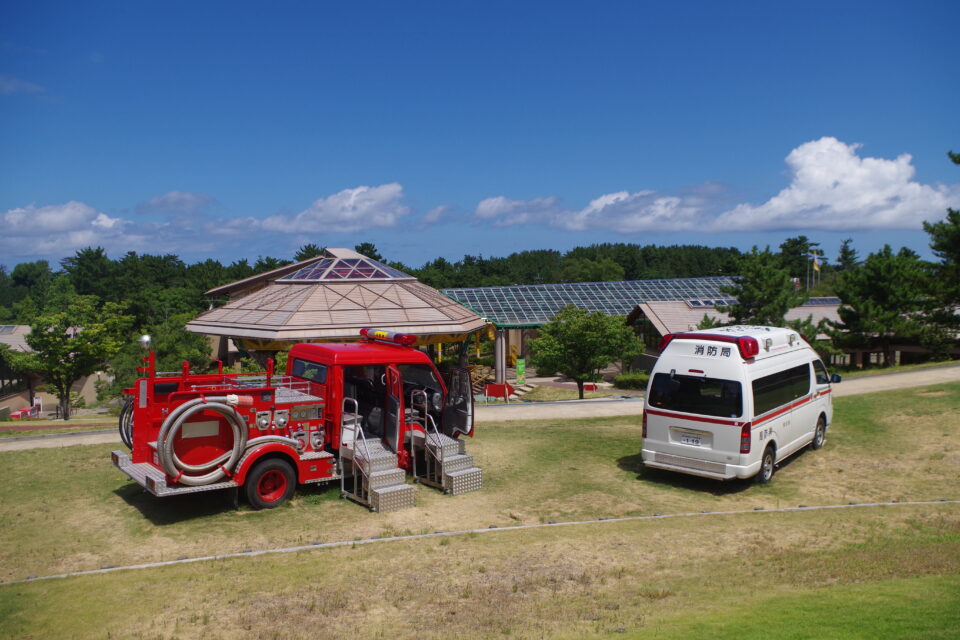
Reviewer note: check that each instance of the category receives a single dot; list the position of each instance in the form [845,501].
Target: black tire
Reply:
[126,423]
[820,434]
[768,465]
[270,483]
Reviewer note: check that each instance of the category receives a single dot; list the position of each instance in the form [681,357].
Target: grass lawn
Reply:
[544,393]
[43,426]
[893,568]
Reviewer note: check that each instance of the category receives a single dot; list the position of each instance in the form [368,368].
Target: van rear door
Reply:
[695,416]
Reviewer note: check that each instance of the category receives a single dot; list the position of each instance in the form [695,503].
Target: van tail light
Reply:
[644,434]
[745,437]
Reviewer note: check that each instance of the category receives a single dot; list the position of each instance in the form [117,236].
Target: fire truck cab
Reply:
[365,413]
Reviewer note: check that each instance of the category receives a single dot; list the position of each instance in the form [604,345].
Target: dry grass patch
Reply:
[583,581]
[534,471]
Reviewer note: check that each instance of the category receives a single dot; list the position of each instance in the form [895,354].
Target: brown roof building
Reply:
[332,297]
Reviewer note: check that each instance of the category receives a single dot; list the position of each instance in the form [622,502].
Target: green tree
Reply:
[883,301]
[812,332]
[173,344]
[92,273]
[795,255]
[587,270]
[763,291]
[370,250]
[578,344]
[847,258]
[709,322]
[308,251]
[73,337]
[945,285]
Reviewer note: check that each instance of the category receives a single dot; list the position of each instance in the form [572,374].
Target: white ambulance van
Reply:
[734,402]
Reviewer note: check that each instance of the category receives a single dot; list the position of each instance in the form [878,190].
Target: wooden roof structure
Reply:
[330,298]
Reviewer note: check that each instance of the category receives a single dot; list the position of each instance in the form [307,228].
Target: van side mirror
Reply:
[835,378]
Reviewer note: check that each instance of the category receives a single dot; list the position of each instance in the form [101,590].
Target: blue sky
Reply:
[234,130]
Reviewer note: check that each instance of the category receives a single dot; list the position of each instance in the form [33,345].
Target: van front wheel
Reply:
[767,466]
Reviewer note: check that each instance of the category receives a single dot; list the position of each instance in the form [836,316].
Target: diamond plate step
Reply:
[155,480]
[384,479]
[463,481]
[458,462]
[375,457]
[391,498]
[438,441]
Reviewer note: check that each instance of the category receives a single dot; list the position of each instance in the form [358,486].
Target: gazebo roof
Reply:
[331,297]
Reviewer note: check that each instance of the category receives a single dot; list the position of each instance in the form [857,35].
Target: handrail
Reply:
[429,422]
[418,401]
[354,426]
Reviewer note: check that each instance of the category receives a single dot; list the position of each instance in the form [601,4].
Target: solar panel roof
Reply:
[537,304]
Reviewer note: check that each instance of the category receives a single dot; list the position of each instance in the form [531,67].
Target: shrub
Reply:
[631,381]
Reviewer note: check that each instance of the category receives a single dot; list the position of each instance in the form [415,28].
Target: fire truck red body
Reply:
[365,413]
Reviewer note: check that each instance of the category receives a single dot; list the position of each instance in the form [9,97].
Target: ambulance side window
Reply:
[822,376]
[780,388]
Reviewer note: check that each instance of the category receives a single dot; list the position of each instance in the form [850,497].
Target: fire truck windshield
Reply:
[309,371]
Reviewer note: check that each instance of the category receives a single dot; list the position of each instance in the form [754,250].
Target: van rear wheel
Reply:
[767,466]
[820,435]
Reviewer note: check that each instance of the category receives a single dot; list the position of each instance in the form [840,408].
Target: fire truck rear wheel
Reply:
[270,483]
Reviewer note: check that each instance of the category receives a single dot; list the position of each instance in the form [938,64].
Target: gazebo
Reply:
[330,298]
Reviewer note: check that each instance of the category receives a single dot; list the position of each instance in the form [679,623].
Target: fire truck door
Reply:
[393,411]
[458,410]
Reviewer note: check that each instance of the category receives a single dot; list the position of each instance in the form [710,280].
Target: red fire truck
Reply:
[365,414]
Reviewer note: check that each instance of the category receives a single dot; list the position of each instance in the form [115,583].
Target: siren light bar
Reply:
[379,335]
[749,347]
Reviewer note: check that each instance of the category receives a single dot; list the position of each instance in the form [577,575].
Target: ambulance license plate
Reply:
[687,438]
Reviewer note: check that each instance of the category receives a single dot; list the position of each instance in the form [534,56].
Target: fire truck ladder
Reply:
[369,472]
[447,465]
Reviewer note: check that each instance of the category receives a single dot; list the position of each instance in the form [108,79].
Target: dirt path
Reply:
[487,414]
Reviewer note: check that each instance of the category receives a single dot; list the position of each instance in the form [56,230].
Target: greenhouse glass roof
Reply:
[359,268]
[534,305]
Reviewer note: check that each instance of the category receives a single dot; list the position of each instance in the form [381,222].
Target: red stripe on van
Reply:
[782,410]
[687,416]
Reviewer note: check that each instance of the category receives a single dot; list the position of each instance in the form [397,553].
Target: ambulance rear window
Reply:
[695,394]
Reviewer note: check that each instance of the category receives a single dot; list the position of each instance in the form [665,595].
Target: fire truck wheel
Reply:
[767,466]
[270,483]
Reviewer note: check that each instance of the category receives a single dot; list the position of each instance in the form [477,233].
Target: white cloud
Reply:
[634,212]
[10,85]
[832,188]
[63,228]
[347,211]
[622,211]
[177,202]
[72,216]
[504,212]
[436,215]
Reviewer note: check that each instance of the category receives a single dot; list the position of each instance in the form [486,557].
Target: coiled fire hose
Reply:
[221,466]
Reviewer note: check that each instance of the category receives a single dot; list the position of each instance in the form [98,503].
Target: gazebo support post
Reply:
[500,356]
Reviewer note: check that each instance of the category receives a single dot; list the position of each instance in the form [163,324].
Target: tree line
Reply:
[83,313]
